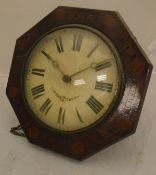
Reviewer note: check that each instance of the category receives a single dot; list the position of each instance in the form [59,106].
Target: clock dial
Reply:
[72,78]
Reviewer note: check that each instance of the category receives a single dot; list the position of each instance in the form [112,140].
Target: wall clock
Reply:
[78,81]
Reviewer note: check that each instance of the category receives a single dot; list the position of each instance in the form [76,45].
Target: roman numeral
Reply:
[79,117]
[102,65]
[94,104]
[77,42]
[39,72]
[61,116]
[59,45]
[103,86]
[38,91]
[92,51]
[46,106]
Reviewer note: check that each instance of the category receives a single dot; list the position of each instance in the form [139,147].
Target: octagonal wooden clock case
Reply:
[78,80]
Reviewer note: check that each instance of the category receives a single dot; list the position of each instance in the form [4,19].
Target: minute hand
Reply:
[54,62]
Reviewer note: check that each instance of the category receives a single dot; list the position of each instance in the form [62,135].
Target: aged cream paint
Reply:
[67,109]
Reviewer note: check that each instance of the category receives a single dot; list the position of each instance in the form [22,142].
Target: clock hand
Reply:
[79,71]
[54,62]
[92,65]
[67,78]
[95,66]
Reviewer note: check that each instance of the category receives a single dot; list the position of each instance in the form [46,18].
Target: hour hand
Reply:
[82,70]
[96,66]
[54,62]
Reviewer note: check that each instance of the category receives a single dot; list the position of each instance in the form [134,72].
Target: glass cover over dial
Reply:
[72,78]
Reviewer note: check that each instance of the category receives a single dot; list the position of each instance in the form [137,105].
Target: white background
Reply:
[135,155]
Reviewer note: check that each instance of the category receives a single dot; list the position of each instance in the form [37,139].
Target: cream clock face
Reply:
[71,78]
